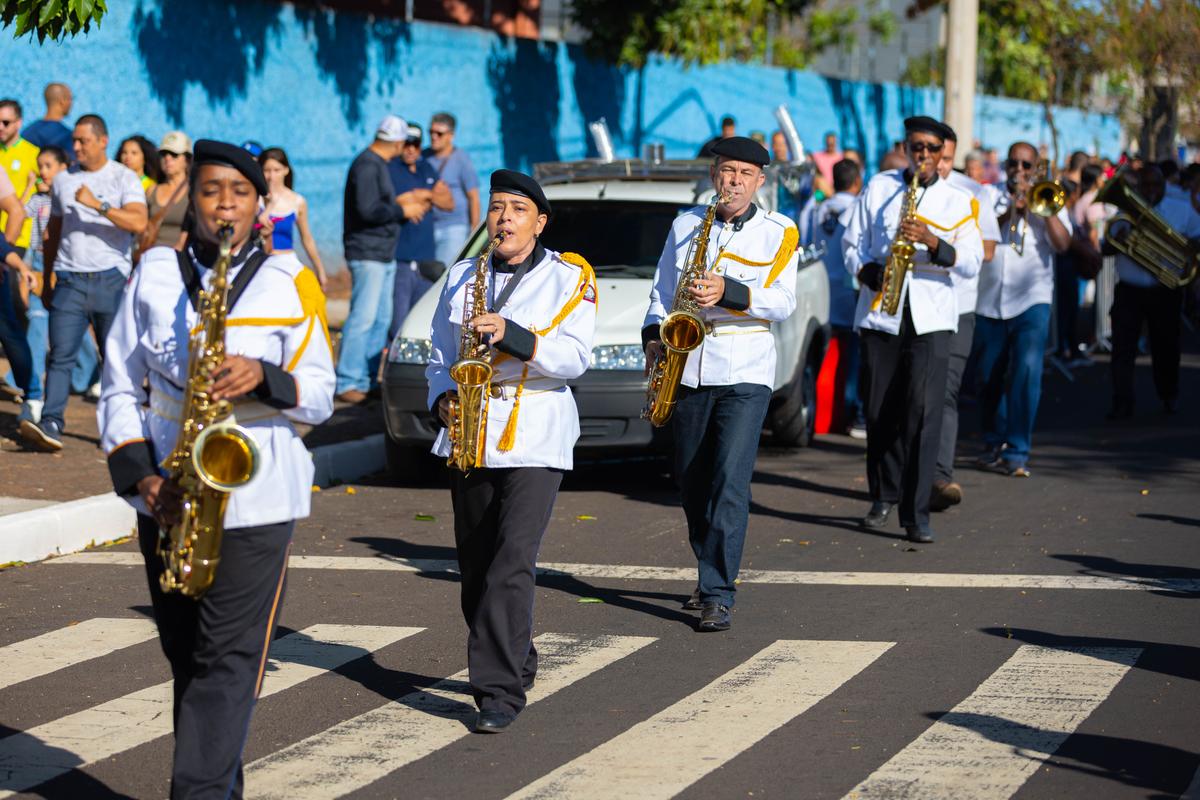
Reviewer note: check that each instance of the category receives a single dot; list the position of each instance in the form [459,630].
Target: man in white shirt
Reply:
[95,210]
[1140,297]
[946,491]
[1012,316]
[905,354]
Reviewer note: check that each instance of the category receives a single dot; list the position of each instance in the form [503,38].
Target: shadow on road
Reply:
[72,785]
[1104,566]
[1176,660]
[1189,521]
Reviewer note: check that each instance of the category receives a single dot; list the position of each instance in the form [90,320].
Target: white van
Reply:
[616,215]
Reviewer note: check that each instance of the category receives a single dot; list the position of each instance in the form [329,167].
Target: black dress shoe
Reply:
[713,617]
[493,721]
[693,603]
[877,517]
[918,533]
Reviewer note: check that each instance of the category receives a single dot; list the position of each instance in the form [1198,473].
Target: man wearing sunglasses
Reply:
[905,355]
[1012,320]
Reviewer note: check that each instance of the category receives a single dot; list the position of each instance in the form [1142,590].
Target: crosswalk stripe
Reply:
[916,580]
[74,644]
[663,755]
[47,751]
[360,751]
[989,744]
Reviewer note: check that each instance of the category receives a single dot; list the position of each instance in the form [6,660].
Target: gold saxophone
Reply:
[472,372]
[683,330]
[900,259]
[213,455]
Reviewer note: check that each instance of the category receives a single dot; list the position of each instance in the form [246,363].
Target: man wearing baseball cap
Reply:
[370,226]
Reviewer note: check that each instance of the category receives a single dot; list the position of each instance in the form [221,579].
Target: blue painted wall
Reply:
[316,83]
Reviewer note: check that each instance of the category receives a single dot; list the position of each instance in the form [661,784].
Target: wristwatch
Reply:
[104,208]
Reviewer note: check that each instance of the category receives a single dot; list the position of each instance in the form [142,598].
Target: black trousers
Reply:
[217,647]
[956,365]
[904,395]
[1159,308]
[500,516]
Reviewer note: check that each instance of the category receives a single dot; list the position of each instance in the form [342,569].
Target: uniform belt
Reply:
[736,327]
[507,391]
[244,411]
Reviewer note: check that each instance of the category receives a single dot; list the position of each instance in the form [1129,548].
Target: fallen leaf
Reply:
[585,518]
[316,488]
[784,540]
[351,490]
[590,600]
[423,517]
[1145,492]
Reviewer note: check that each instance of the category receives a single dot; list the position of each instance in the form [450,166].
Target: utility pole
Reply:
[962,44]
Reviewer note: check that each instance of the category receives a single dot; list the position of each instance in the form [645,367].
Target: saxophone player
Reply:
[279,369]
[905,354]
[726,382]
[534,315]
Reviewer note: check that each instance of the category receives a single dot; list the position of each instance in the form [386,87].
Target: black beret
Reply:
[740,148]
[513,182]
[208,151]
[928,125]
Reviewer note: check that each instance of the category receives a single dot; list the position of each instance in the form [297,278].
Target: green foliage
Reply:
[53,19]
[786,32]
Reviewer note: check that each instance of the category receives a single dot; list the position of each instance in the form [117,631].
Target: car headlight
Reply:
[618,356]
[409,351]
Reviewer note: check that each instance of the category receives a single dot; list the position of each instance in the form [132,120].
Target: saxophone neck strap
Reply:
[191,276]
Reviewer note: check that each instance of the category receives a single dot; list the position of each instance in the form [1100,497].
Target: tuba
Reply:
[1152,243]
[900,258]
[213,455]
[472,373]
[683,330]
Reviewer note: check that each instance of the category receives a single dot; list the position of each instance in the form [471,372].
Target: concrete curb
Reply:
[72,526]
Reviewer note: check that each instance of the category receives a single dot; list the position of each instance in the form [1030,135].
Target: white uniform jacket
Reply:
[532,420]
[929,290]
[279,319]
[968,288]
[758,263]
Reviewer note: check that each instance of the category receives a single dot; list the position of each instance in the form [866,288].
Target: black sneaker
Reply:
[713,617]
[45,436]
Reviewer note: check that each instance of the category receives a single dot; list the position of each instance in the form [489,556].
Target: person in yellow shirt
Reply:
[19,158]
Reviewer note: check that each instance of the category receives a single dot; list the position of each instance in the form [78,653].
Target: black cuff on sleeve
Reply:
[128,464]
[650,334]
[278,387]
[944,255]
[518,342]
[736,296]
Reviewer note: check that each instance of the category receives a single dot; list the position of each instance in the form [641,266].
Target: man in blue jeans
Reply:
[95,208]
[370,226]
[1012,316]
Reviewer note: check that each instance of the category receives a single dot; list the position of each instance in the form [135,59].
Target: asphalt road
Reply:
[1045,646]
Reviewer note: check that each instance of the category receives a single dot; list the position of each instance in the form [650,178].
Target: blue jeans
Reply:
[1009,354]
[716,442]
[365,333]
[449,241]
[12,337]
[87,366]
[80,299]
[410,286]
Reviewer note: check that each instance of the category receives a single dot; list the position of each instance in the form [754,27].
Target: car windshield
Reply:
[619,238]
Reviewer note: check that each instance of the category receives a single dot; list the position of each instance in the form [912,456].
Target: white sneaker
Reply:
[32,411]
[93,392]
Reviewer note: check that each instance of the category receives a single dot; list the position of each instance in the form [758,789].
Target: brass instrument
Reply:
[472,372]
[1047,196]
[900,258]
[683,330]
[1152,243]
[213,455]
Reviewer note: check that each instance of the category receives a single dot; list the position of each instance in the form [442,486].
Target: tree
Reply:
[783,32]
[55,19]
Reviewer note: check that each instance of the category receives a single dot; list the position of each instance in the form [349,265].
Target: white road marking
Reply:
[362,750]
[47,751]
[74,644]
[660,757]
[992,742]
[916,580]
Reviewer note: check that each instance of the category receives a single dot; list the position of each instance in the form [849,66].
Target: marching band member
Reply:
[727,381]
[541,317]
[905,355]
[278,370]
[946,491]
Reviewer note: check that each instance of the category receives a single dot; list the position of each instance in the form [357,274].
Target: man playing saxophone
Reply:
[529,313]
[905,354]
[749,283]
[278,369]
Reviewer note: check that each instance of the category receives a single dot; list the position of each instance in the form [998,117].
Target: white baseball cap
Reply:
[392,129]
